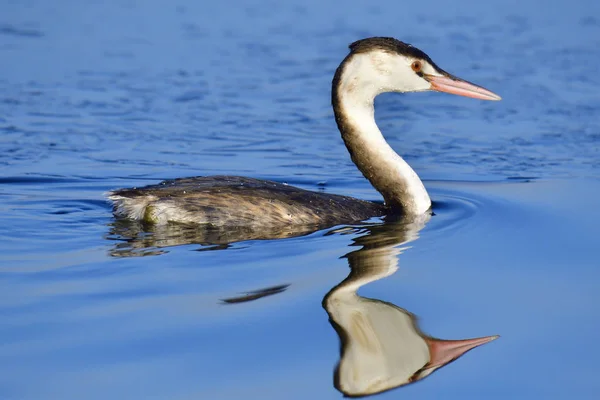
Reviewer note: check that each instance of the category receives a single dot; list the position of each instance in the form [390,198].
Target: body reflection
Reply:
[136,239]
[382,346]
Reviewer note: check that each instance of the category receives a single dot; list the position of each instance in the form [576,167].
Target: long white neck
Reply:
[355,87]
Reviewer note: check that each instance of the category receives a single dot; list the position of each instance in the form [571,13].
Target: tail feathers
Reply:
[130,207]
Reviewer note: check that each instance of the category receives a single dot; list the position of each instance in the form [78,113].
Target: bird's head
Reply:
[379,64]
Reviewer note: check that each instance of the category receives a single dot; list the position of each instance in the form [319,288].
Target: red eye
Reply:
[416,66]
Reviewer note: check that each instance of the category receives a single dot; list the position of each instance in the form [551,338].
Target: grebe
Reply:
[373,66]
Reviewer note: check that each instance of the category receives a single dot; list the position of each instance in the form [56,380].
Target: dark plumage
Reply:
[238,201]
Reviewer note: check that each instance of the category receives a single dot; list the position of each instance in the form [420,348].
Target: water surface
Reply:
[100,95]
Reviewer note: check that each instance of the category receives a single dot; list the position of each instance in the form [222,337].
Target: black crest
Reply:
[391,45]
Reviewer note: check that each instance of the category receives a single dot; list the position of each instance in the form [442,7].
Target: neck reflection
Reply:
[382,346]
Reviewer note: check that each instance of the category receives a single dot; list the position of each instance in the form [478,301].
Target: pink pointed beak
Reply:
[444,351]
[453,85]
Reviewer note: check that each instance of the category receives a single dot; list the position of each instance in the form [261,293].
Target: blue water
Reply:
[100,95]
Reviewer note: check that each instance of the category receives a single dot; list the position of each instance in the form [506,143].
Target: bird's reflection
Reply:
[136,239]
[382,346]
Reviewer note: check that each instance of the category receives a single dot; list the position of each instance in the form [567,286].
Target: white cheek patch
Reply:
[428,69]
[380,63]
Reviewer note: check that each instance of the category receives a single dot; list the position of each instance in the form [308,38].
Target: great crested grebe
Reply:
[375,65]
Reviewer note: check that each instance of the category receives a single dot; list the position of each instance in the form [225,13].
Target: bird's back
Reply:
[221,201]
